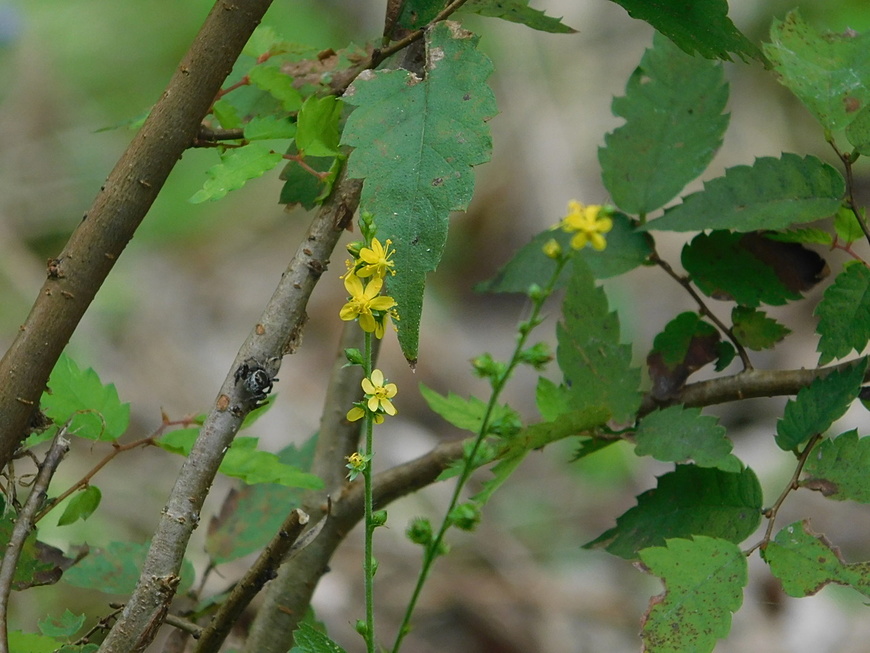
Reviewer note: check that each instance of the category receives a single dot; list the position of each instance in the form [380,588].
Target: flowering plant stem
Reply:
[369,562]
[434,548]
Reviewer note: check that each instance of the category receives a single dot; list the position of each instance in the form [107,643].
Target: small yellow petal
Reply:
[377,378]
[368,387]
[355,413]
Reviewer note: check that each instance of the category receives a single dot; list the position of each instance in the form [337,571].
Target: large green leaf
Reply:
[704,579]
[770,194]
[804,562]
[839,468]
[416,140]
[829,73]
[517,11]
[678,434]
[673,127]
[689,501]
[844,314]
[819,405]
[700,26]
[597,368]
[95,409]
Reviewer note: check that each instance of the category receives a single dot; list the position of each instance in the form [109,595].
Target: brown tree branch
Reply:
[78,272]
[274,336]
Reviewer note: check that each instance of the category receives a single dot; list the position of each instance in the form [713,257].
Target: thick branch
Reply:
[78,272]
[274,336]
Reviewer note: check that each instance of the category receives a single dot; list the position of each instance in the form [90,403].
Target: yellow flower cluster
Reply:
[365,302]
[588,224]
[378,394]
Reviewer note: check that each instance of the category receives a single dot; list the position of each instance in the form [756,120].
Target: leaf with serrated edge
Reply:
[844,314]
[517,11]
[691,500]
[416,141]
[95,409]
[819,405]
[829,73]
[839,468]
[237,166]
[704,579]
[674,126]
[702,27]
[597,368]
[753,329]
[804,562]
[678,434]
[770,194]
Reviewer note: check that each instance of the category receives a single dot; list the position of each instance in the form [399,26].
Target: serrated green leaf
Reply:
[237,166]
[248,518]
[678,434]
[627,248]
[753,329]
[227,114]
[278,84]
[317,126]
[67,625]
[846,225]
[724,268]
[804,235]
[770,194]
[552,399]
[269,127]
[95,409]
[704,579]
[114,569]
[81,506]
[416,141]
[804,562]
[675,341]
[686,344]
[689,501]
[673,127]
[839,468]
[463,413]
[844,314]
[700,26]
[20,642]
[517,11]
[597,368]
[829,73]
[243,461]
[310,640]
[819,405]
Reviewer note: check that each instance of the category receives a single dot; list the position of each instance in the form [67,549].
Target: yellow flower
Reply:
[363,300]
[588,223]
[378,394]
[376,260]
[552,249]
[357,464]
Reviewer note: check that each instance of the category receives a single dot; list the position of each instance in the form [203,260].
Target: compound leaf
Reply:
[819,405]
[700,26]
[95,409]
[237,166]
[829,73]
[704,579]
[753,329]
[804,562]
[839,468]
[844,314]
[518,11]
[691,500]
[416,141]
[770,194]
[678,434]
[597,368]
[673,127]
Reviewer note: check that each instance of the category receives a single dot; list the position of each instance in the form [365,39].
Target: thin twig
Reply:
[847,161]
[262,571]
[24,525]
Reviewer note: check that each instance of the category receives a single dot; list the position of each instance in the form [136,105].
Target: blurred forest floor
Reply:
[186,292]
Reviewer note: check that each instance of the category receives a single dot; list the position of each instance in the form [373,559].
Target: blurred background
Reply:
[185,294]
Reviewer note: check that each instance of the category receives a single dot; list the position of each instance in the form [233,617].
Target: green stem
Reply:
[368,563]
[431,552]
